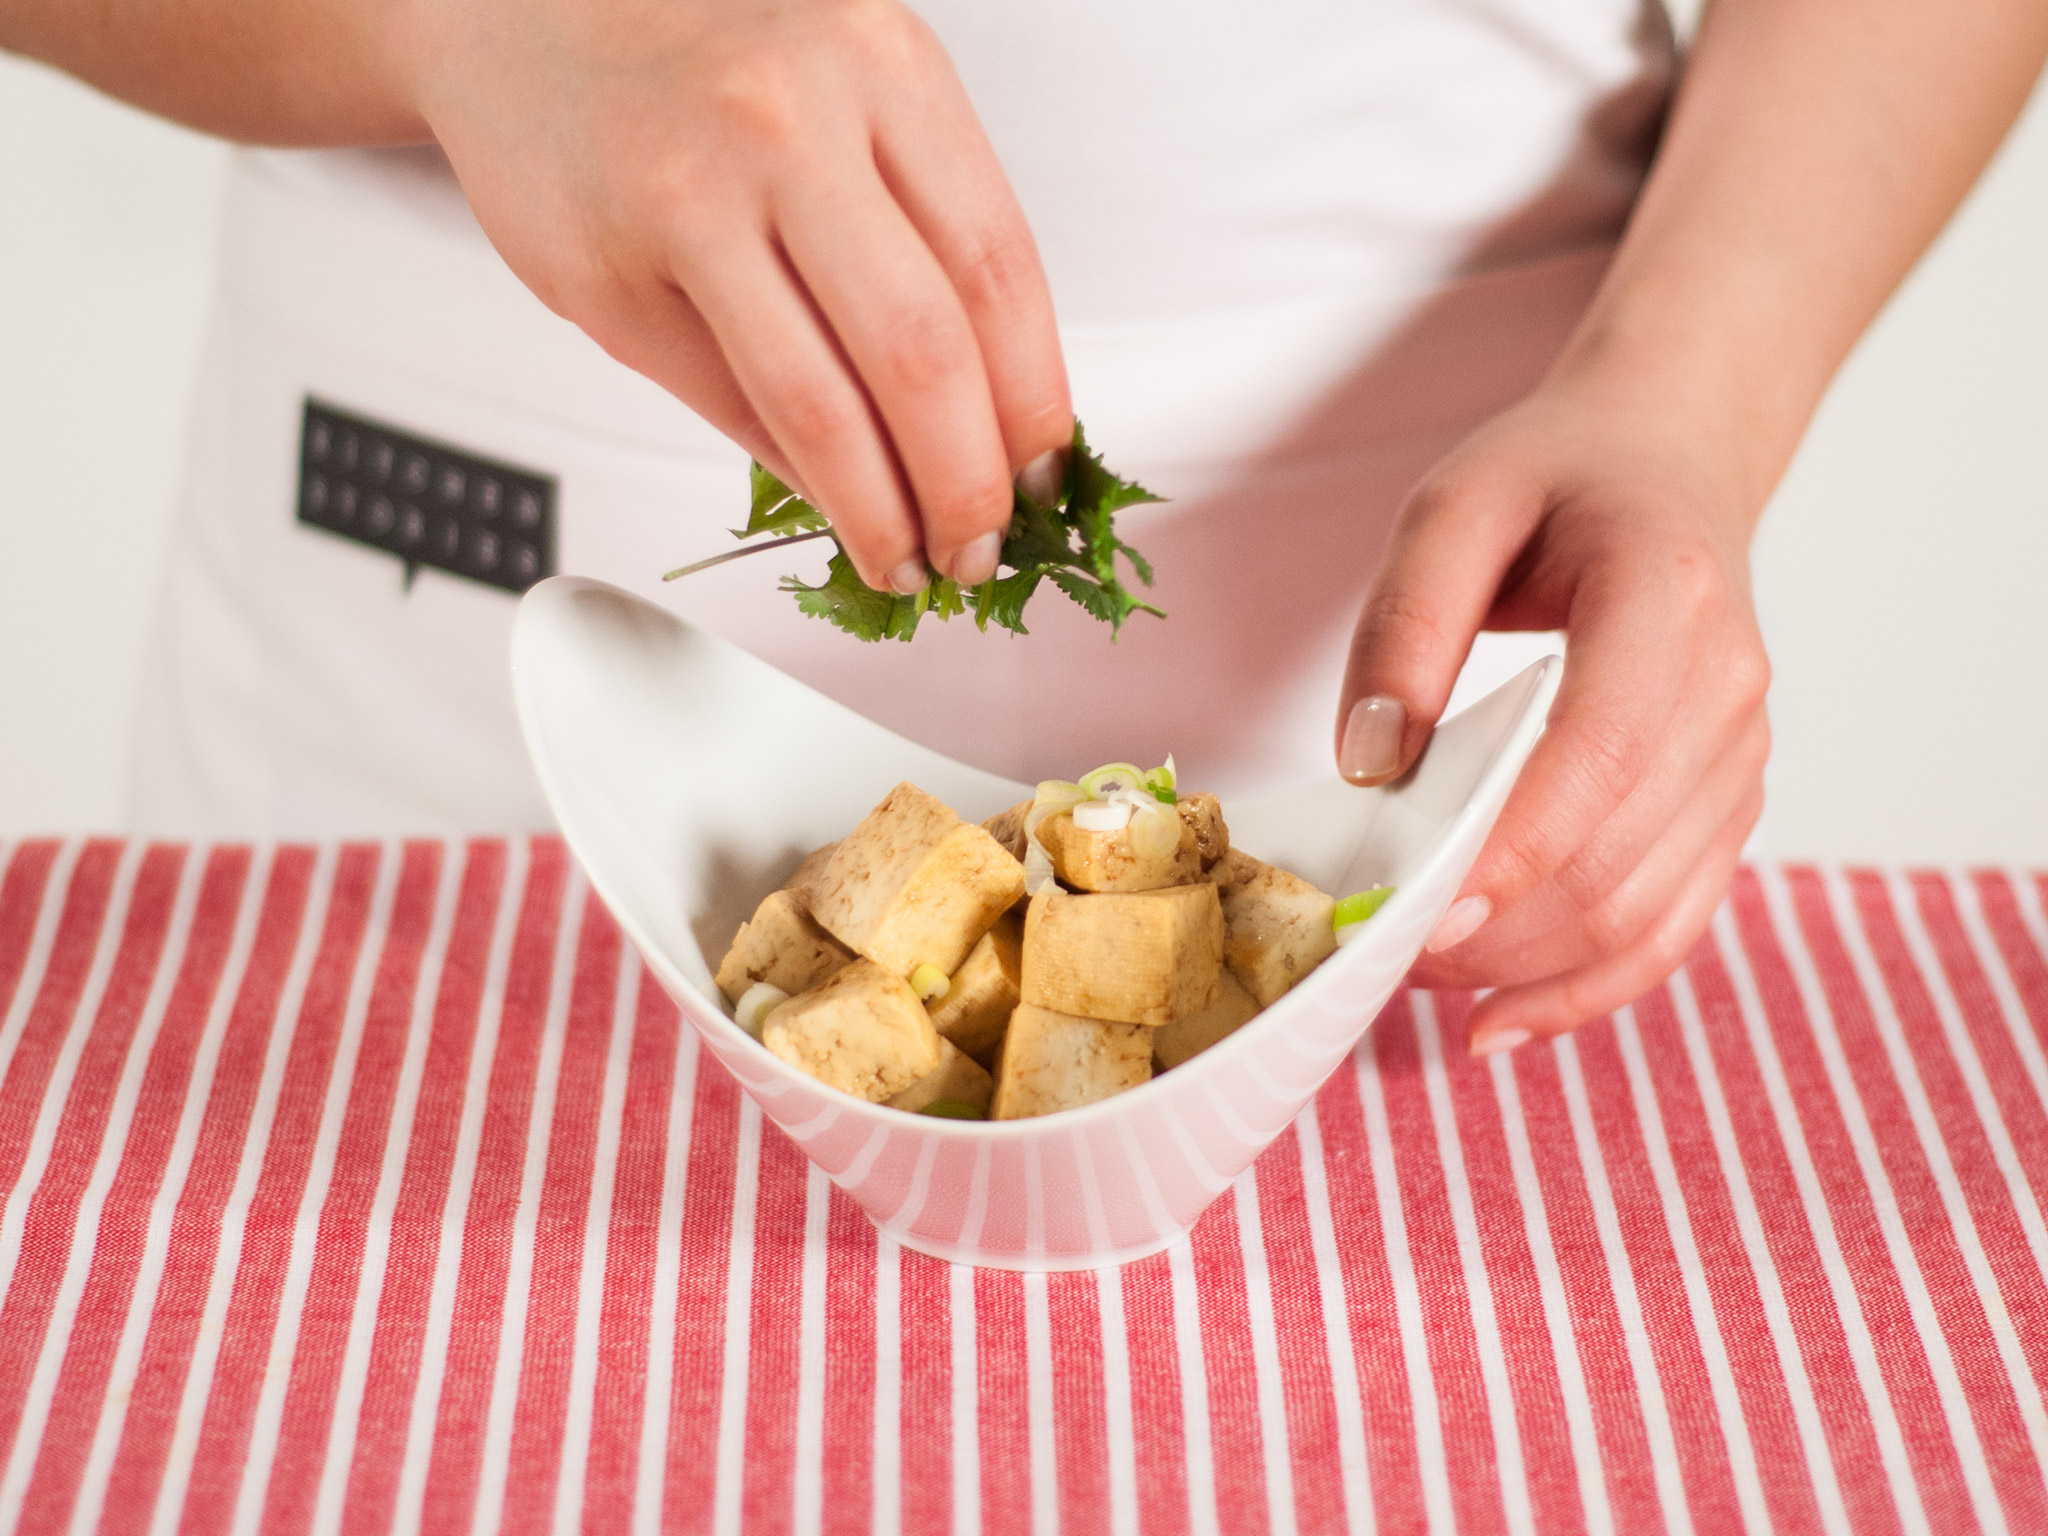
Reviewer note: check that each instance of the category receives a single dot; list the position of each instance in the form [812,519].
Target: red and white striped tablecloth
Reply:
[366,1188]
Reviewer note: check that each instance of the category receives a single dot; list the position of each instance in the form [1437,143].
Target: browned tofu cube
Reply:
[1143,957]
[1276,927]
[1007,828]
[1174,1043]
[977,1004]
[804,883]
[915,885]
[1203,816]
[1055,1061]
[958,1077]
[862,1030]
[782,946]
[1106,861]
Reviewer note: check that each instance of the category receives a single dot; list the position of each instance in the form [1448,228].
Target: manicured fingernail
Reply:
[1460,923]
[1372,739]
[977,562]
[1043,478]
[1494,1041]
[907,578]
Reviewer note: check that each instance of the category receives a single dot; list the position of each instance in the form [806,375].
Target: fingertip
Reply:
[1465,917]
[886,551]
[977,560]
[1498,1040]
[1045,476]
[965,542]
[906,577]
[1370,748]
[888,567]
[1511,1018]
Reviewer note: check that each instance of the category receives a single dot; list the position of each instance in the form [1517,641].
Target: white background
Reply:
[1902,570]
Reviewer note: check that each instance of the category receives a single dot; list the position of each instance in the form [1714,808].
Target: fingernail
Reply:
[1044,477]
[1460,923]
[1372,739]
[1494,1041]
[977,562]
[907,578]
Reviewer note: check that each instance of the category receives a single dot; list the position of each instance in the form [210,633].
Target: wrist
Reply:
[1730,414]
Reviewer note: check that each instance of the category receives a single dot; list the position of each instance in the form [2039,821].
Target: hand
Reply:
[1582,509]
[788,215]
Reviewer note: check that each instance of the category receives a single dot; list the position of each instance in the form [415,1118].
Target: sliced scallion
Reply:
[1110,777]
[1103,815]
[1155,830]
[756,1003]
[1161,782]
[1349,919]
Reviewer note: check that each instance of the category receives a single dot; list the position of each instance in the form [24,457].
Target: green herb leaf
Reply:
[778,510]
[1108,601]
[1073,542]
[946,597]
[847,601]
[1001,601]
[1038,537]
[1094,497]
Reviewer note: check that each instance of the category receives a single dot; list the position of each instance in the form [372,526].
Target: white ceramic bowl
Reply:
[690,778]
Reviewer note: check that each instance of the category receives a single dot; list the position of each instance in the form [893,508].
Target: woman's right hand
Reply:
[786,213]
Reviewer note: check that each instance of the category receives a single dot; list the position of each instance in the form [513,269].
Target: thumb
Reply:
[1438,578]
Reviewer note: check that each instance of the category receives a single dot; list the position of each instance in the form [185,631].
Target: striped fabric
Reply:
[366,1188]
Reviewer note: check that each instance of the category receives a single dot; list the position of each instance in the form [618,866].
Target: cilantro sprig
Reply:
[1072,543]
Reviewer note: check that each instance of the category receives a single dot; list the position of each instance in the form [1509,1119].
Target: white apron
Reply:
[1296,253]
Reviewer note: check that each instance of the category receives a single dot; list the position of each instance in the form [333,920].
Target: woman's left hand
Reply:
[1590,509]
[1814,148]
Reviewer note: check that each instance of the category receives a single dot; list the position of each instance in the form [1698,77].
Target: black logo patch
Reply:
[425,502]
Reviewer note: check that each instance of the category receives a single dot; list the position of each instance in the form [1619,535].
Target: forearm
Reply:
[302,72]
[1815,149]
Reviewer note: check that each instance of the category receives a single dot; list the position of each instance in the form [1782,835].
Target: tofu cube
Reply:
[1106,861]
[804,883]
[958,1076]
[862,1030]
[915,885]
[780,945]
[1055,1060]
[1203,816]
[976,1008]
[1141,957]
[1174,1043]
[1276,927]
[1007,828]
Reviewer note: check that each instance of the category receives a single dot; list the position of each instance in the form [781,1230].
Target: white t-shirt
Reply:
[1296,252]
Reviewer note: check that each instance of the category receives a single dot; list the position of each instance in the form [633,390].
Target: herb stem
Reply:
[751,549]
